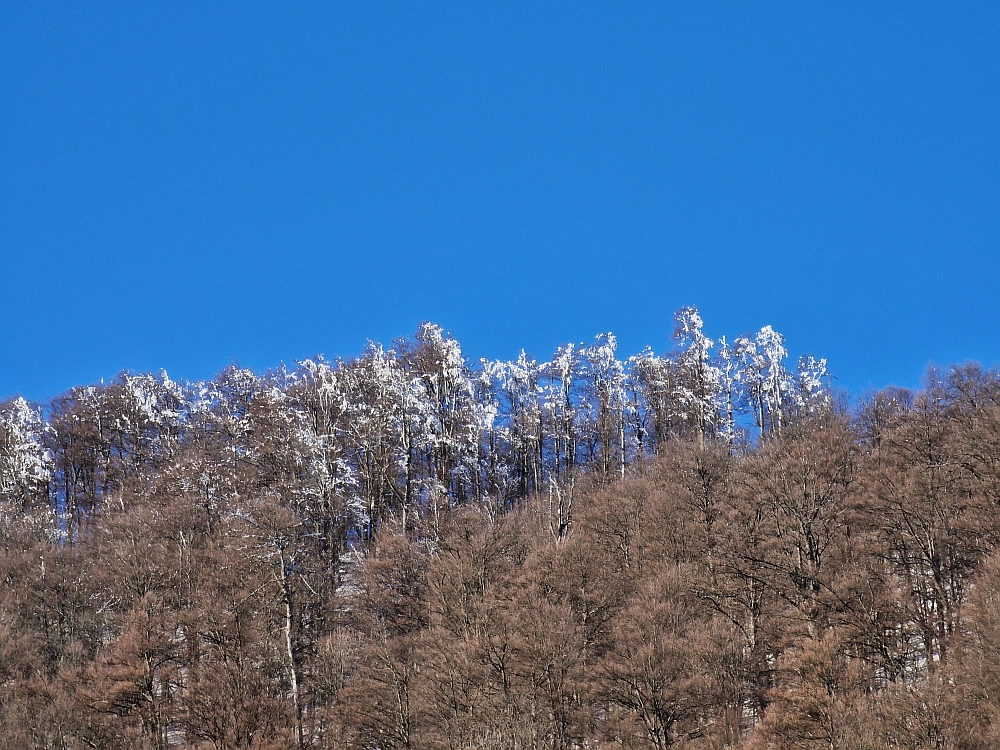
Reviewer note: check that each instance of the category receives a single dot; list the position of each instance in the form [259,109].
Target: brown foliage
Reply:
[836,586]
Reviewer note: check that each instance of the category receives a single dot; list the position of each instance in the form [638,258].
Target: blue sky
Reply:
[189,185]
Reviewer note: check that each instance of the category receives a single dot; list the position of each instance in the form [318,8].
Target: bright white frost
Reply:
[25,464]
[516,440]
[768,387]
[812,392]
[697,385]
[605,401]
[561,384]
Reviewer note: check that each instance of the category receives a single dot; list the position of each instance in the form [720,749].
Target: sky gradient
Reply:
[192,186]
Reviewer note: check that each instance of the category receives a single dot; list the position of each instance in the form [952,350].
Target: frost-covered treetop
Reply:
[25,463]
[397,429]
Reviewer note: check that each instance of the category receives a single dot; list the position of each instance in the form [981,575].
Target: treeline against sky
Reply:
[696,550]
[396,431]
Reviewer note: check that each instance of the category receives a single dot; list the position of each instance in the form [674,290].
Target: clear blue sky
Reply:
[185,185]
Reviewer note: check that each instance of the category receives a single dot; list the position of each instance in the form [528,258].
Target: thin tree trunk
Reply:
[293,671]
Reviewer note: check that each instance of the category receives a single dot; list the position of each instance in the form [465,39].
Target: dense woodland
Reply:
[703,549]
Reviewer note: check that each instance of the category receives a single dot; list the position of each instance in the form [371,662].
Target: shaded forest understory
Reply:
[407,551]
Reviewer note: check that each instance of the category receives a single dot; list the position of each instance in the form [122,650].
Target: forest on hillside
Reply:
[704,549]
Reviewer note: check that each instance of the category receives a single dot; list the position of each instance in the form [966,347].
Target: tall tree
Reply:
[25,465]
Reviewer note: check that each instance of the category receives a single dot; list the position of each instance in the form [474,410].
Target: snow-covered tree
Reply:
[560,404]
[145,417]
[651,381]
[434,360]
[387,428]
[521,415]
[730,375]
[25,464]
[638,416]
[496,479]
[697,384]
[812,392]
[603,376]
[767,385]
